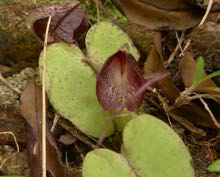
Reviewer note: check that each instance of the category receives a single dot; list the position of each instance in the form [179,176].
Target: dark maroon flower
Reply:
[117,83]
[63,27]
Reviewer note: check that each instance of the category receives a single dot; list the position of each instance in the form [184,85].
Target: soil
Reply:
[19,52]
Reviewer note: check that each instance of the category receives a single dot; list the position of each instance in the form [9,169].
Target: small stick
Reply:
[178,46]
[187,124]
[77,135]
[201,23]
[188,42]
[206,13]
[44,167]
[17,147]
[14,89]
[178,40]
[55,120]
[210,112]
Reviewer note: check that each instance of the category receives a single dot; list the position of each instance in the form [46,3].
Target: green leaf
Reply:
[154,149]
[215,166]
[104,39]
[106,163]
[71,88]
[217,73]
[215,89]
[199,72]
[150,146]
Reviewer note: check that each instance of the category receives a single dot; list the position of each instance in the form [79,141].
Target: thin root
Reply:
[17,147]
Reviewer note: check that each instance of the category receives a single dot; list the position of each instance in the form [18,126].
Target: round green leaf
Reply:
[71,88]
[106,163]
[215,166]
[154,149]
[104,39]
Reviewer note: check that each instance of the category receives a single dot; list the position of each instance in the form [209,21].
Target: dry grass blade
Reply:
[44,167]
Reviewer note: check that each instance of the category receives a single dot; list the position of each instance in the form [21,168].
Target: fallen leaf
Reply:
[155,64]
[162,15]
[31,109]
[188,68]
[190,112]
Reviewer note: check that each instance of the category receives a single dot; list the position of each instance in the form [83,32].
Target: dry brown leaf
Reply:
[155,64]
[31,108]
[187,68]
[189,112]
[162,15]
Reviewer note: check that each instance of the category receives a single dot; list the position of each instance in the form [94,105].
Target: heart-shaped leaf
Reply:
[71,86]
[151,148]
[104,39]
[107,163]
[154,149]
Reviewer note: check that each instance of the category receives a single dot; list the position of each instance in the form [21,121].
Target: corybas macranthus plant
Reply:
[120,85]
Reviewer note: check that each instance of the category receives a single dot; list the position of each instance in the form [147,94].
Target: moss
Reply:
[8,97]
[91,9]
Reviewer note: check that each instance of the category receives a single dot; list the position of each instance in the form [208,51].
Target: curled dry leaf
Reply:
[185,114]
[117,83]
[67,29]
[188,68]
[155,64]
[31,108]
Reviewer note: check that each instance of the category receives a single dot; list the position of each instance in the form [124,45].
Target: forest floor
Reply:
[19,53]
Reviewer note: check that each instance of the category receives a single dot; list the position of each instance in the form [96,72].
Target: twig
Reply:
[17,147]
[55,120]
[201,23]
[44,167]
[210,112]
[168,116]
[188,125]
[178,46]
[206,13]
[178,40]
[188,42]
[14,89]
[76,134]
